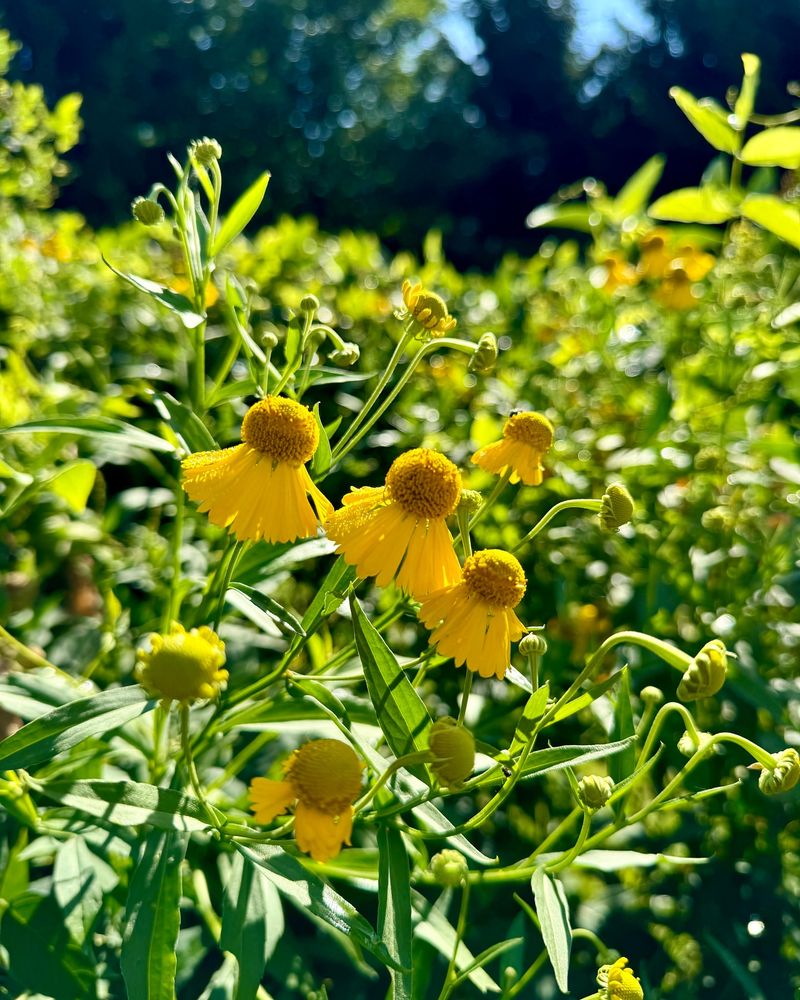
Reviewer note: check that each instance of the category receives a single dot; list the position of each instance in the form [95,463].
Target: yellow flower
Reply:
[655,257]
[676,290]
[619,982]
[696,263]
[526,437]
[398,531]
[473,621]
[260,488]
[323,778]
[428,309]
[183,666]
[618,272]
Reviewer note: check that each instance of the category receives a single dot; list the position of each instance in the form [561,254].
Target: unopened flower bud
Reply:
[717,519]
[470,501]
[617,507]
[595,790]
[784,776]
[205,151]
[147,211]
[687,745]
[484,357]
[269,340]
[652,695]
[449,868]
[533,644]
[347,355]
[453,749]
[706,673]
[309,303]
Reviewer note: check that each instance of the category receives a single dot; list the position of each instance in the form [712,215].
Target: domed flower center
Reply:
[427,308]
[495,577]
[453,748]
[183,666]
[283,430]
[424,483]
[325,774]
[533,429]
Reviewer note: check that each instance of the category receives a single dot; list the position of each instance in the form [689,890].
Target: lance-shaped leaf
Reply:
[174,301]
[308,892]
[103,430]
[710,120]
[194,434]
[774,147]
[262,611]
[401,713]
[778,216]
[152,918]
[69,724]
[242,212]
[553,912]
[394,908]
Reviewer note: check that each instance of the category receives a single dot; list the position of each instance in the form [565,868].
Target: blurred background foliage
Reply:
[396,116]
[692,403]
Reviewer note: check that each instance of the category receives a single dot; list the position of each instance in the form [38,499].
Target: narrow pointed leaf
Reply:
[773,214]
[394,908]
[174,301]
[241,213]
[635,193]
[262,610]
[193,432]
[774,147]
[129,803]
[76,887]
[553,912]
[708,118]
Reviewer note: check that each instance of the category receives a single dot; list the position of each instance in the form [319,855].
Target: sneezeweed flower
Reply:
[784,776]
[619,273]
[183,666]
[696,263]
[428,309]
[453,749]
[205,151]
[617,507]
[261,487]
[676,291]
[147,211]
[526,437]
[323,780]
[618,982]
[398,531]
[655,256]
[473,621]
[705,673]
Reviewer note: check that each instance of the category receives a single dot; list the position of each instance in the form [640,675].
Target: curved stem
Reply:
[593,505]
[569,856]
[658,722]
[489,502]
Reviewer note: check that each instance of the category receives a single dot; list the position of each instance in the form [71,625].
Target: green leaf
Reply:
[747,95]
[321,461]
[77,888]
[553,759]
[328,598]
[73,483]
[261,610]
[152,918]
[69,724]
[635,193]
[308,892]
[242,212]
[194,434]
[486,956]
[574,215]
[104,430]
[710,120]
[174,301]
[585,698]
[394,908]
[707,205]
[774,147]
[533,710]
[622,764]
[252,922]
[308,687]
[400,711]
[553,912]
[613,861]
[129,803]
[775,215]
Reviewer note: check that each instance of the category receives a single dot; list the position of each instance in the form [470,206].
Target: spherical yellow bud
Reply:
[205,151]
[706,673]
[183,666]
[617,507]
[453,749]
[533,429]
[449,868]
[595,790]
[784,776]
[147,211]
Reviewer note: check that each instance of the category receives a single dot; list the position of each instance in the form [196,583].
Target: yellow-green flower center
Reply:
[183,666]
[533,429]
[325,774]
[424,483]
[495,577]
[282,429]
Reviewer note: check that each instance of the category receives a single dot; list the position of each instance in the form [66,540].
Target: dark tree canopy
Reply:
[394,117]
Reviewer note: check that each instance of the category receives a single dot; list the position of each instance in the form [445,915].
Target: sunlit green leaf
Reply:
[553,912]
[635,193]
[778,216]
[394,908]
[101,429]
[241,213]
[774,147]
[707,205]
[174,301]
[710,120]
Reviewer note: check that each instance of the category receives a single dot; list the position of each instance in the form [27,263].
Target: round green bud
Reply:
[652,695]
[470,501]
[346,355]
[595,790]
[268,340]
[784,776]
[449,868]
[706,673]
[309,303]
[617,507]
[484,357]
[206,151]
[453,749]
[687,745]
[533,644]
[147,211]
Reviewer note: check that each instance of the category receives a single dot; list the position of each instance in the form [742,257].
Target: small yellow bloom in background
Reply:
[398,531]
[676,291]
[323,778]
[619,982]
[619,273]
[526,437]
[696,263]
[474,621]
[655,256]
[183,666]
[260,488]
[453,749]
[428,309]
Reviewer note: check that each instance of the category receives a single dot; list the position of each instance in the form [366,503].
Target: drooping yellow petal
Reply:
[319,833]
[270,798]
[430,561]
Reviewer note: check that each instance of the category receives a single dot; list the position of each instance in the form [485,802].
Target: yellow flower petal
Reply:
[270,798]
[319,833]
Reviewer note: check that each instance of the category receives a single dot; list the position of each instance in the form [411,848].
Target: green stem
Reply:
[569,856]
[460,928]
[462,712]
[236,553]
[593,505]
[658,722]
[173,602]
[529,973]
[186,746]
[489,502]
[420,757]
